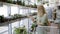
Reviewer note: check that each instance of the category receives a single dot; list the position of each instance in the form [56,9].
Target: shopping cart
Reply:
[48,30]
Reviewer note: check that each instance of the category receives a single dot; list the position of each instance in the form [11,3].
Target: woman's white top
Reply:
[42,19]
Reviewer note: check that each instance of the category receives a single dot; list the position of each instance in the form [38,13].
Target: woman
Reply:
[42,20]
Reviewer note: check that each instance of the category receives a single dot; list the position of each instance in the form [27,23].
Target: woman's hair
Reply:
[40,7]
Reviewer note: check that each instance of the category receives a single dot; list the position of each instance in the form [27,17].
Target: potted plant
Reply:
[35,13]
[34,6]
[20,30]
[2,19]
[34,25]
[14,2]
[9,1]
[19,2]
[15,16]
[23,3]
[27,5]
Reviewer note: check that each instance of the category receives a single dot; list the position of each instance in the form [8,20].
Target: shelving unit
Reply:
[9,23]
[18,19]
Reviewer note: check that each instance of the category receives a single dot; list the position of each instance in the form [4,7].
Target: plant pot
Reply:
[14,2]
[19,2]
[23,4]
[1,19]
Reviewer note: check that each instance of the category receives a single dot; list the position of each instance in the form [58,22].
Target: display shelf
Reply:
[15,19]
[6,23]
[27,6]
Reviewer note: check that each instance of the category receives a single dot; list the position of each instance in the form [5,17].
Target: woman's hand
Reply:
[31,18]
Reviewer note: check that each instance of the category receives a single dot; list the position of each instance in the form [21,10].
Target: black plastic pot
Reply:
[1,19]
[14,2]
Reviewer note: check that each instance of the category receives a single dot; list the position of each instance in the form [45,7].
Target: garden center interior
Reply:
[14,16]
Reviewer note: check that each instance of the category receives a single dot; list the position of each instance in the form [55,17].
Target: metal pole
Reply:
[9,25]
[28,19]
[19,13]
[29,13]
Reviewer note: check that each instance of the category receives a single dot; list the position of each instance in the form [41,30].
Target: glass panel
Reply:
[14,10]
[3,11]
[4,29]
[15,24]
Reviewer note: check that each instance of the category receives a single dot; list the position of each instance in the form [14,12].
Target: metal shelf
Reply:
[11,21]
[9,4]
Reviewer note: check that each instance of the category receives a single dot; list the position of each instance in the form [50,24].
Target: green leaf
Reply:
[20,30]
[39,0]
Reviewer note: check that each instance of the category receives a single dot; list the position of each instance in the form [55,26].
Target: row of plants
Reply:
[32,6]
[20,3]
[13,17]
[35,13]
[17,16]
